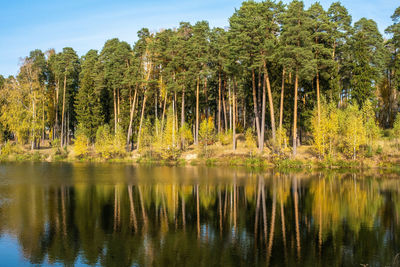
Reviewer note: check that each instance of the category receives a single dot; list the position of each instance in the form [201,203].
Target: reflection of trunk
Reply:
[234,206]
[257,208]
[183,211]
[142,206]
[264,213]
[225,201]
[198,211]
[220,211]
[64,215]
[283,224]
[296,214]
[115,209]
[271,233]
[133,214]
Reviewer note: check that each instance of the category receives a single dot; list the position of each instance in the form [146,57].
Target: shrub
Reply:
[80,146]
[186,135]
[325,129]
[396,127]
[206,131]
[352,130]
[225,137]
[250,141]
[371,126]
[281,138]
[206,135]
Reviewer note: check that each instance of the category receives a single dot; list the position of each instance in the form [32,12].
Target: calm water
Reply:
[122,215]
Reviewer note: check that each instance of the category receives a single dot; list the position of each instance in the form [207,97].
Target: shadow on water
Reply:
[122,215]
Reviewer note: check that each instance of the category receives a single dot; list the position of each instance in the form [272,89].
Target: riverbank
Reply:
[216,155]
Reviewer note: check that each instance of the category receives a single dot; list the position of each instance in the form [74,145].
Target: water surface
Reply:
[123,215]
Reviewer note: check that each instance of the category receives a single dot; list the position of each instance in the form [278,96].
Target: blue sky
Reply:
[85,24]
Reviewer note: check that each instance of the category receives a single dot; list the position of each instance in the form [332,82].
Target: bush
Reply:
[396,127]
[109,145]
[250,141]
[80,146]
[186,135]
[206,135]
[225,137]
[206,131]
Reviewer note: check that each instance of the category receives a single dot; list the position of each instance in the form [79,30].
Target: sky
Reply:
[26,25]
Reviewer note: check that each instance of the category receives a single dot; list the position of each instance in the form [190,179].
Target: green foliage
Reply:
[88,105]
[80,147]
[282,139]
[325,129]
[207,131]
[186,135]
[206,135]
[396,126]
[225,138]
[250,140]
[371,126]
[146,137]
[8,148]
[352,130]
[108,145]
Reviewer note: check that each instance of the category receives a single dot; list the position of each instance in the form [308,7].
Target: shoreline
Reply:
[266,161]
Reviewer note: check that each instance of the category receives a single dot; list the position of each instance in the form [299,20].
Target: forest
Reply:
[277,77]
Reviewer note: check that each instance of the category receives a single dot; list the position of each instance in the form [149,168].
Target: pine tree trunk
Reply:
[141,120]
[63,111]
[234,117]
[33,123]
[295,114]
[230,107]
[255,105]
[271,103]
[262,135]
[197,111]
[282,98]
[206,97]
[128,138]
[56,110]
[115,110]
[219,103]
[318,100]
[164,109]
[224,109]
[182,113]
[118,105]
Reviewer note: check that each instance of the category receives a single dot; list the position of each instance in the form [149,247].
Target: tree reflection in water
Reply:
[123,215]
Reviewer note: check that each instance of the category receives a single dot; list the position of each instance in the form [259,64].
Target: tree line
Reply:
[267,71]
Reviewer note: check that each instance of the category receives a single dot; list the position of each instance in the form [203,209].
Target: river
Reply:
[56,214]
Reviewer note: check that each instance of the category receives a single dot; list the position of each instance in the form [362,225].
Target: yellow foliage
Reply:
[80,146]
[250,140]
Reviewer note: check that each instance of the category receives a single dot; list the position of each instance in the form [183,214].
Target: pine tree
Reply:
[88,100]
[297,39]
[367,51]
